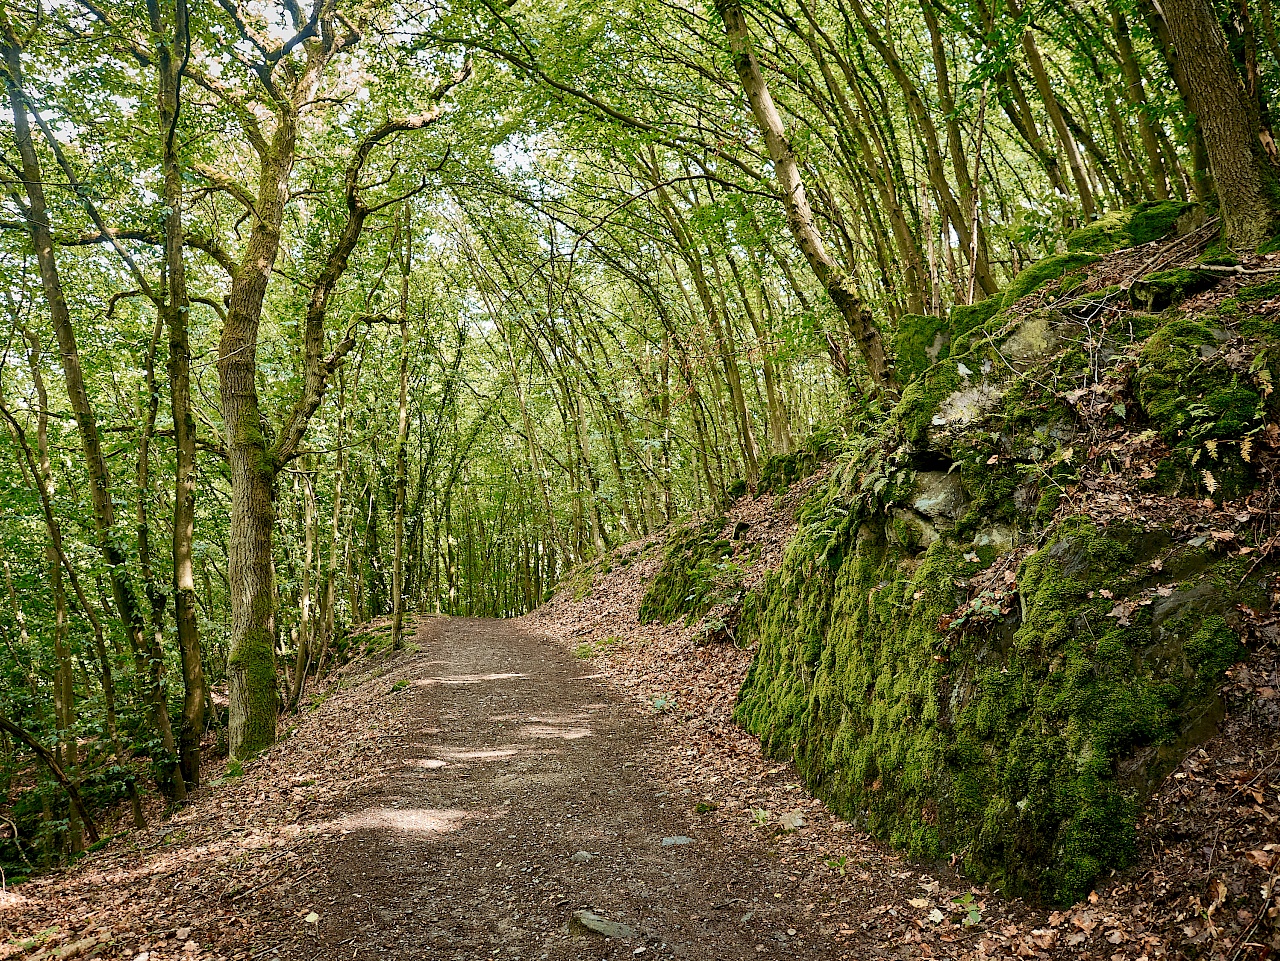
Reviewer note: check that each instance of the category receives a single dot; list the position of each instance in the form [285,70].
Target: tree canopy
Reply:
[320,313]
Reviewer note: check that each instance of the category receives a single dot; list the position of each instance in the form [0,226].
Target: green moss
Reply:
[1072,281]
[1006,743]
[919,341]
[1019,731]
[1211,649]
[1130,227]
[921,399]
[1044,272]
[1048,505]
[967,317]
[1166,288]
[1192,397]
[782,470]
[698,571]
[251,668]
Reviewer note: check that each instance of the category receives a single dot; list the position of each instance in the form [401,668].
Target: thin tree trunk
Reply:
[176,310]
[64,710]
[1054,109]
[405,255]
[1136,94]
[837,282]
[171,775]
[91,829]
[306,618]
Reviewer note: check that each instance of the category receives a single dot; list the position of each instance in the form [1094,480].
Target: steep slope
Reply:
[1009,615]
[1027,622]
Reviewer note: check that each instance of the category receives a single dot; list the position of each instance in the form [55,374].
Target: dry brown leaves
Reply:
[232,868]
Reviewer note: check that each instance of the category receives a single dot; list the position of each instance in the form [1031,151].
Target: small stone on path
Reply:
[678,839]
[581,857]
[792,821]
[586,922]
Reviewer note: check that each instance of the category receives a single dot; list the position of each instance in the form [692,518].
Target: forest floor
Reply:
[465,799]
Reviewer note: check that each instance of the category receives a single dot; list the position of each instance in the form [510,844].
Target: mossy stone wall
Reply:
[1005,743]
[1020,726]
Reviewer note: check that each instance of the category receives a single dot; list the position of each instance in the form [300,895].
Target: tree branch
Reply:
[42,752]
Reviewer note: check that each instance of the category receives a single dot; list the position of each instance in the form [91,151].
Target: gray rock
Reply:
[911,531]
[998,537]
[792,821]
[586,923]
[1034,339]
[581,857]
[677,839]
[968,404]
[938,495]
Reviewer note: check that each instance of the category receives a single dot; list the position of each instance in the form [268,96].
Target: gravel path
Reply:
[526,791]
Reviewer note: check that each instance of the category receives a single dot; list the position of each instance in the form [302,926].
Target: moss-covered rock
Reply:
[1044,272]
[918,342]
[1019,724]
[1166,288]
[1011,742]
[698,571]
[967,317]
[923,340]
[1130,227]
[780,471]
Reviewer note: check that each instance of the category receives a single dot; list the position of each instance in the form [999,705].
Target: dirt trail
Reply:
[514,759]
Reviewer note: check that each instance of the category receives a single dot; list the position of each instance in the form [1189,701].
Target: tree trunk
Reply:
[169,768]
[838,284]
[306,618]
[1054,109]
[176,310]
[1136,94]
[405,255]
[1243,176]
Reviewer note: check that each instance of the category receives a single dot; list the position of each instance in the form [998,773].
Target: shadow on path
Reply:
[522,791]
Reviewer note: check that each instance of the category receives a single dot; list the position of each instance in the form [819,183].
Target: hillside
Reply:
[1027,625]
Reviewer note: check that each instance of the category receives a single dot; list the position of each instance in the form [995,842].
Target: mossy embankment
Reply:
[1008,615]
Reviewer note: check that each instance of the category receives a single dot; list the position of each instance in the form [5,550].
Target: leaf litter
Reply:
[239,867]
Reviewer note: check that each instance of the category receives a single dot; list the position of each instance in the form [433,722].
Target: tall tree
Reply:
[1245,175]
[835,281]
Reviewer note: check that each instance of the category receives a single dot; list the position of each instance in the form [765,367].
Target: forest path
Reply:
[514,760]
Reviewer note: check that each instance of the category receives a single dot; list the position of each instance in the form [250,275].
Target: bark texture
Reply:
[1244,177]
